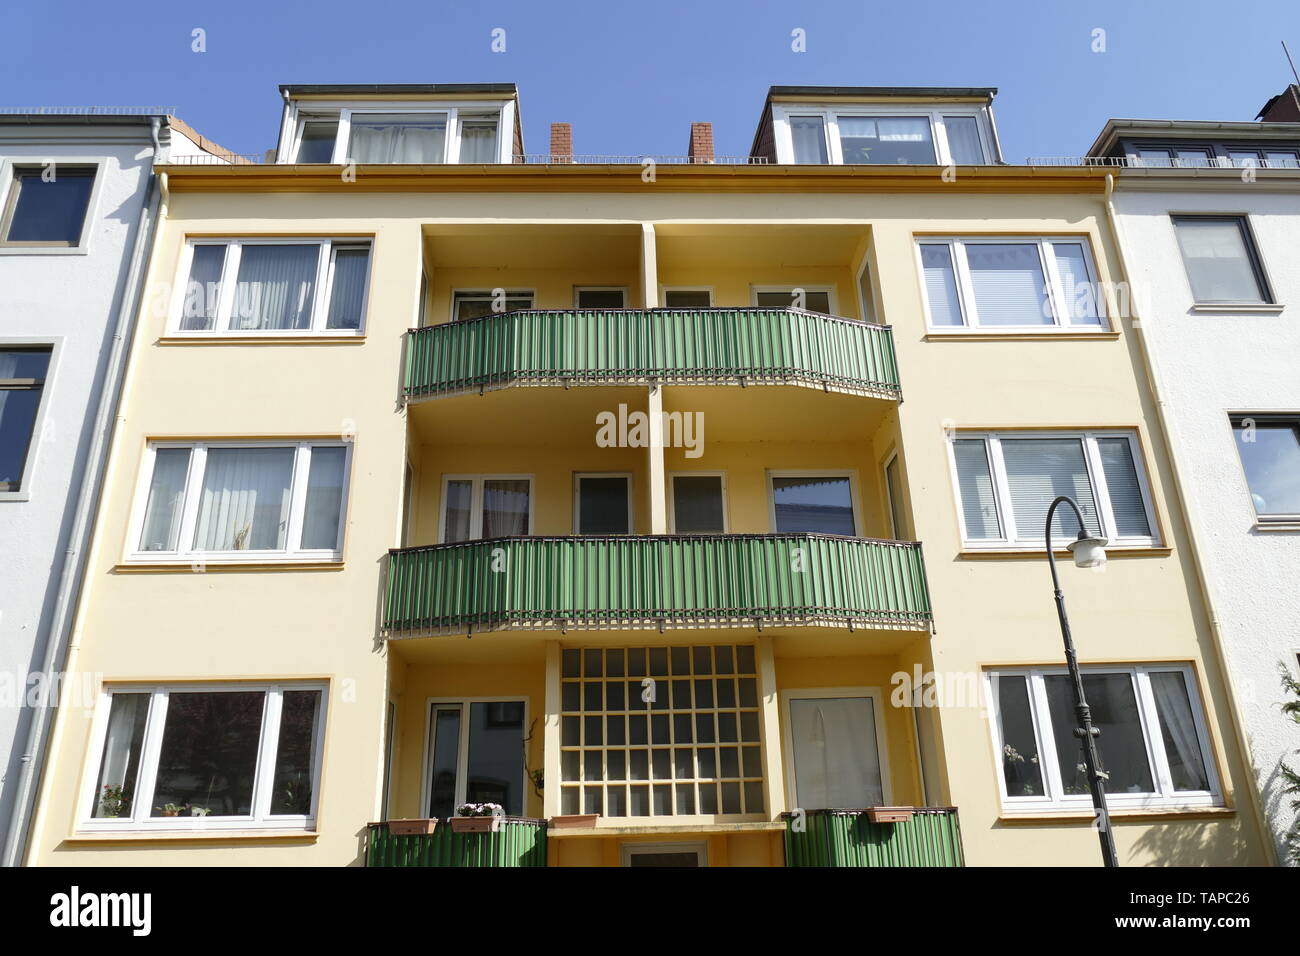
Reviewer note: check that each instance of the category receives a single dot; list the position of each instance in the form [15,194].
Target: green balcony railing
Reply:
[848,838]
[656,580]
[668,346]
[519,842]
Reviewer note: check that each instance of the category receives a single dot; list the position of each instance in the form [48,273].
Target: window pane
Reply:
[295,754]
[478,140]
[697,504]
[1243,158]
[1039,470]
[162,513]
[836,763]
[505,507]
[1120,748]
[496,754]
[276,287]
[1122,483]
[445,762]
[964,140]
[1282,160]
[398,138]
[457,510]
[472,305]
[1192,158]
[687,299]
[348,294]
[1218,263]
[52,211]
[941,285]
[1008,281]
[601,299]
[1021,768]
[1077,288]
[1270,454]
[886,139]
[209,752]
[603,506]
[119,764]
[1178,730]
[317,142]
[808,134]
[22,377]
[324,508]
[813,300]
[1154,157]
[894,489]
[975,483]
[245,503]
[203,290]
[823,505]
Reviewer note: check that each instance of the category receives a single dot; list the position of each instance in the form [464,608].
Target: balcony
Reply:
[656,581]
[847,838]
[519,842]
[741,346]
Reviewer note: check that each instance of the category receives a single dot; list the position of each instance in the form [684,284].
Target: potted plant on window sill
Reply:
[478,818]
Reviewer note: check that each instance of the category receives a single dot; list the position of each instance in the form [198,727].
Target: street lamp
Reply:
[1088,552]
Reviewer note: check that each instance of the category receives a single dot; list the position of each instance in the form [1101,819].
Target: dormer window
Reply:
[398,133]
[882,135]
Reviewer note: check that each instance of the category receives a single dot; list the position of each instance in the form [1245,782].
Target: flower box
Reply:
[490,824]
[411,827]
[889,814]
[574,821]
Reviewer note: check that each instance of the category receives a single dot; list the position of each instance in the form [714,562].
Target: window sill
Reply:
[1277,525]
[21,250]
[185,836]
[202,567]
[1069,335]
[1087,816]
[209,339]
[1136,552]
[1219,308]
[15,496]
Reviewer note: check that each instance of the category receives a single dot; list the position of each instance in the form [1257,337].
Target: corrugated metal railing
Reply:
[656,581]
[519,842]
[670,346]
[848,838]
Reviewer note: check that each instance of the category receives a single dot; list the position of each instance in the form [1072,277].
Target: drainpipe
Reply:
[57,656]
[1184,503]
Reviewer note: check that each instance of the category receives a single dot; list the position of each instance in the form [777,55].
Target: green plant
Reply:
[115,801]
[170,809]
[1290,775]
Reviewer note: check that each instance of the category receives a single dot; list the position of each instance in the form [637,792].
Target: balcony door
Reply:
[834,742]
[475,754]
[602,503]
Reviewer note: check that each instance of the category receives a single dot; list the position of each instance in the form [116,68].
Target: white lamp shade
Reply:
[1089,552]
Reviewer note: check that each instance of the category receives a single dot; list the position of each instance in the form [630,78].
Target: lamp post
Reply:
[1088,552]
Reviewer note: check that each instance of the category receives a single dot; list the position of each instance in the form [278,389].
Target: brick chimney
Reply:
[1283,108]
[701,147]
[561,143]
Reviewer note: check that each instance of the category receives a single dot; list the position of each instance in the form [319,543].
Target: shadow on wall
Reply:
[1195,843]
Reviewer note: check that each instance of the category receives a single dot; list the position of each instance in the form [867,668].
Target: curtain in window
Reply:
[348,292]
[903,129]
[478,141]
[1040,469]
[162,513]
[276,288]
[505,507]
[457,509]
[1080,296]
[121,757]
[941,285]
[1217,263]
[975,482]
[808,134]
[1008,281]
[245,502]
[203,291]
[1178,727]
[836,764]
[1125,491]
[320,522]
[964,140]
[411,138]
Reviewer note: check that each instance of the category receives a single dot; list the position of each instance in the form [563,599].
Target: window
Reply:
[808,135]
[666,854]
[698,505]
[1006,482]
[660,731]
[1176,156]
[228,756]
[47,206]
[486,506]
[894,492]
[386,134]
[688,298]
[602,504]
[834,741]
[478,138]
[22,383]
[1153,743]
[1010,283]
[815,298]
[881,136]
[316,142]
[398,138]
[821,504]
[1270,454]
[225,501]
[881,140]
[474,305]
[475,755]
[1223,265]
[1263,158]
[300,286]
[600,297]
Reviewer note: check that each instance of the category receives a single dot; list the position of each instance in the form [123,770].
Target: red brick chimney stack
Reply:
[701,148]
[561,143]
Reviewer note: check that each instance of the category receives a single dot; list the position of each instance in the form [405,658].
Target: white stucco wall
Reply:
[1208,365]
[70,301]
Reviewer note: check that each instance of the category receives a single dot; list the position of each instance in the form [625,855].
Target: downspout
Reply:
[1184,503]
[57,656]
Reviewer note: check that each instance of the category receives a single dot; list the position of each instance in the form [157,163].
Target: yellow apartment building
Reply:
[447,474]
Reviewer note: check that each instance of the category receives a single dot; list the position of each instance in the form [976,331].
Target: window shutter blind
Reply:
[1040,469]
[1008,282]
[940,285]
[1125,492]
[1080,297]
[978,503]
[1217,263]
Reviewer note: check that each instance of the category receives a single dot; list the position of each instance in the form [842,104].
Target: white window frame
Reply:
[476,503]
[672,501]
[892,458]
[431,706]
[297,115]
[875,695]
[577,497]
[1054,798]
[477,293]
[1033,537]
[699,847]
[327,249]
[850,473]
[577,289]
[192,497]
[665,289]
[7,184]
[151,749]
[788,288]
[27,480]
[830,115]
[1061,304]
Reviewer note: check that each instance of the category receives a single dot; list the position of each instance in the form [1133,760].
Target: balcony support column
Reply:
[551,734]
[656,477]
[769,715]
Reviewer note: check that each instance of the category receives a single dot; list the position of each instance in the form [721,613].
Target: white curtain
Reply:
[320,522]
[903,129]
[1217,263]
[457,508]
[277,285]
[162,513]
[837,765]
[478,141]
[505,507]
[204,288]
[964,140]
[411,138]
[808,136]
[348,292]
[245,503]
[125,727]
[1175,710]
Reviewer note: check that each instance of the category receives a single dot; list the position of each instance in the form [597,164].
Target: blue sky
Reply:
[631,76]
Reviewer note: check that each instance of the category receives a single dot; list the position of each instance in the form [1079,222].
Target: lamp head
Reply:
[1088,552]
